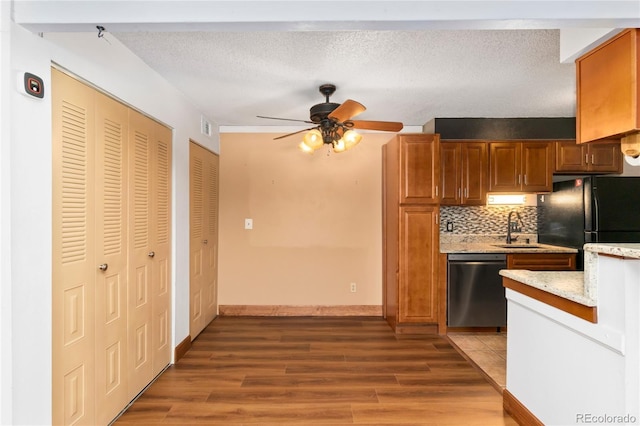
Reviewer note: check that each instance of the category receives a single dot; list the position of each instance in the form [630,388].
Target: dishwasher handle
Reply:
[475,257]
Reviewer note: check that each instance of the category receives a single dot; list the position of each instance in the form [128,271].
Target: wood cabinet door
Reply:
[419,171]
[537,164]
[505,166]
[450,174]
[570,157]
[474,173]
[605,157]
[607,90]
[418,261]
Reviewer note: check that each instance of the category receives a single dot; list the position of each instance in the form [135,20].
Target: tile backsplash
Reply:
[486,219]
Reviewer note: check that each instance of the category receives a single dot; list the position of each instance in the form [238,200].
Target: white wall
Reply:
[5,224]
[27,291]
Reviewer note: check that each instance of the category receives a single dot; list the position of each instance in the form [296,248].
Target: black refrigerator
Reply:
[594,209]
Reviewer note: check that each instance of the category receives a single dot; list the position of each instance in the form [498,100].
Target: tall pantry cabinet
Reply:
[411,231]
[111,253]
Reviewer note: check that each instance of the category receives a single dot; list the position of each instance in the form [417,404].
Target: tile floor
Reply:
[487,350]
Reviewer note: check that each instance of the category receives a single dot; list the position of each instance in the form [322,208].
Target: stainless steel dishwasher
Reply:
[475,296]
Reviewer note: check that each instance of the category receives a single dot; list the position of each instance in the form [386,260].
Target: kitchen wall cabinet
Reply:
[464,172]
[520,166]
[595,157]
[607,79]
[542,261]
[411,232]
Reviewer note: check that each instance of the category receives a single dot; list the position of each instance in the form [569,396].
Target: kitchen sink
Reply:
[517,246]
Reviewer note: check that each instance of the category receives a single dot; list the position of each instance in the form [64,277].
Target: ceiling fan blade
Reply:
[346,110]
[285,119]
[386,126]
[294,133]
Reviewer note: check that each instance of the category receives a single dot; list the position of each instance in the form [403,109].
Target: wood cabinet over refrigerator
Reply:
[411,231]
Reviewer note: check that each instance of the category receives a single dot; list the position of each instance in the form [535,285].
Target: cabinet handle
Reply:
[151,254]
[525,179]
[466,192]
[459,192]
[436,190]
[586,158]
[103,267]
[592,159]
[437,220]
[519,176]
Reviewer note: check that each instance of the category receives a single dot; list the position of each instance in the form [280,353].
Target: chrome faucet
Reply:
[511,239]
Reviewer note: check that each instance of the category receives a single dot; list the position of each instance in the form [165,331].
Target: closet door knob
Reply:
[152,253]
[103,267]
[205,241]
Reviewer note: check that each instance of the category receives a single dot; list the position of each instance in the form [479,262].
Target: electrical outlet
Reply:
[353,288]
[449,226]
[248,224]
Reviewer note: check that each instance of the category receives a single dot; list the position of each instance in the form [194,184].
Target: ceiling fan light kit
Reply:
[334,124]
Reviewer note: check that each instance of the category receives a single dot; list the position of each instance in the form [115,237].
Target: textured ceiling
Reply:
[407,76]
[408,61]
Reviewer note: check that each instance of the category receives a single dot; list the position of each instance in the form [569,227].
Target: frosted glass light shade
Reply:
[351,139]
[313,139]
[305,148]
[339,145]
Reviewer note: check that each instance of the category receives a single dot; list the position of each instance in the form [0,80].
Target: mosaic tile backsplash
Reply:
[486,219]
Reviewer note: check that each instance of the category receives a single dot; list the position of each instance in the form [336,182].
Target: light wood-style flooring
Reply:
[318,370]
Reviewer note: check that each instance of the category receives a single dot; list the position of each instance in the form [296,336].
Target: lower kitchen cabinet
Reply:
[542,261]
[412,269]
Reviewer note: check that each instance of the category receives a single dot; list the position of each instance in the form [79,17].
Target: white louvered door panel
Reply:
[74,263]
[161,247]
[139,284]
[111,250]
[197,240]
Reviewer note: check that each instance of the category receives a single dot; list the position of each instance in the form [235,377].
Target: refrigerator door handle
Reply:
[596,219]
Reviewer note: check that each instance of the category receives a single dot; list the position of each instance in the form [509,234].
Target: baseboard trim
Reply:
[518,411]
[182,348]
[300,311]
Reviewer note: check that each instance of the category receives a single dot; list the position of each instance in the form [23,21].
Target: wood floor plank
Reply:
[318,371]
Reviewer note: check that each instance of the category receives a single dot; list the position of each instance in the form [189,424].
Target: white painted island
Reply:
[573,351]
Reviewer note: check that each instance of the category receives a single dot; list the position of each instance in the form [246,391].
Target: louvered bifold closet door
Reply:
[197,240]
[139,286]
[160,250]
[74,267]
[111,252]
[211,248]
[149,293]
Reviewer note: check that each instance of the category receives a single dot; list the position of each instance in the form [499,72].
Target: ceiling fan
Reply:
[334,125]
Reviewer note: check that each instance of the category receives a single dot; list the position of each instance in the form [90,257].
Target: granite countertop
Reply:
[494,248]
[629,250]
[580,287]
[566,284]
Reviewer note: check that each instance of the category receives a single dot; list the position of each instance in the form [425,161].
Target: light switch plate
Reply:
[248,224]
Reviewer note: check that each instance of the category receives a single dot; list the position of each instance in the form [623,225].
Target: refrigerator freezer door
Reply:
[616,207]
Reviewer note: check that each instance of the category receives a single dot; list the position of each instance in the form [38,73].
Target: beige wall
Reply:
[316,222]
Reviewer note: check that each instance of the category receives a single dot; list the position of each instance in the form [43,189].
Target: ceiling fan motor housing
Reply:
[319,112]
